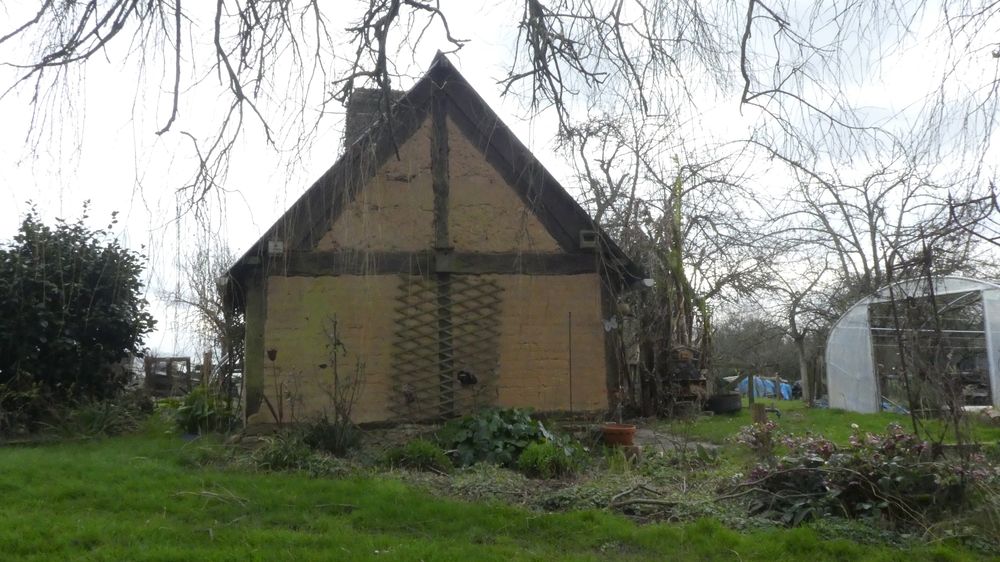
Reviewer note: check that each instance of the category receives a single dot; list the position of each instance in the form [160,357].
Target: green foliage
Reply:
[885,476]
[419,454]
[93,418]
[502,436]
[704,456]
[620,462]
[202,411]
[160,422]
[170,508]
[283,452]
[21,406]
[71,307]
[336,436]
[661,467]
[207,450]
[981,521]
[288,452]
[796,417]
[495,436]
[761,439]
[548,459]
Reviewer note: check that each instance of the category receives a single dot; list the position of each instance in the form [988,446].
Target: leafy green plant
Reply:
[336,436]
[334,431]
[202,411]
[288,451]
[20,405]
[92,418]
[494,435]
[283,451]
[620,462]
[419,454]
[704,456]
[881,476]
[762,440]
[548,459]
[666,465]
[500,436]
[71,307]
[161,422]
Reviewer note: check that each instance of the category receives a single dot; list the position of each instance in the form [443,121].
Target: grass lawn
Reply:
[797,418]
[142,498]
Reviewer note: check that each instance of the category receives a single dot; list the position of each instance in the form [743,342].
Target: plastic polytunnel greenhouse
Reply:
[867,370]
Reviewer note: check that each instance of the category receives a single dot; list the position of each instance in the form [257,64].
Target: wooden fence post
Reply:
[206,368]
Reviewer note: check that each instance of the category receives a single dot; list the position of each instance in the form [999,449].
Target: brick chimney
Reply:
[363,110]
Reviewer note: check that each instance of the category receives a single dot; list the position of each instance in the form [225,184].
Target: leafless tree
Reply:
[695,226]
[796,288]
[879,216]
[977,216]
[868,188]
[796,68]
[749,337]
[653,194]
[216,324]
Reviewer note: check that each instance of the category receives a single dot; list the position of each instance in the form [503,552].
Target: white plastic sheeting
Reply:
[991,313]
[850,365]
[850,368]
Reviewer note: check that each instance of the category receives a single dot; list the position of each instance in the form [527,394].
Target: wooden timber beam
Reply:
[315,264]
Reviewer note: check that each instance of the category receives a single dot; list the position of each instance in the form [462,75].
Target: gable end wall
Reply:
[550,324]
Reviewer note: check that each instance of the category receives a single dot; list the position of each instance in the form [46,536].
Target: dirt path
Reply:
[660,441]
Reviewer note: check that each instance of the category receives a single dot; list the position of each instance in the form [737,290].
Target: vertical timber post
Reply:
[569,338]
[253,354]
[612,363]
[206,368]
[442,247]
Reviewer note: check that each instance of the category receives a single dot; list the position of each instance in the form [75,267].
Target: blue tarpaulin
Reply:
[764,388]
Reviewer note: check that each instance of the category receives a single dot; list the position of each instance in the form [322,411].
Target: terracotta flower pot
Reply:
[618,434]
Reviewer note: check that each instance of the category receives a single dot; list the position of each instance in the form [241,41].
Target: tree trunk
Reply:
[800,350]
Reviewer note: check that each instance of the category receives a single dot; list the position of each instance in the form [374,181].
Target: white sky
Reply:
[100,145]
[102,151]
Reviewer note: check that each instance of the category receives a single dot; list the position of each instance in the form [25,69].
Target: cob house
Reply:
[441,263]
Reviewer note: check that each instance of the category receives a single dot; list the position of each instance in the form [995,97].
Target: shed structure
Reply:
[862,350]
[457,270]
